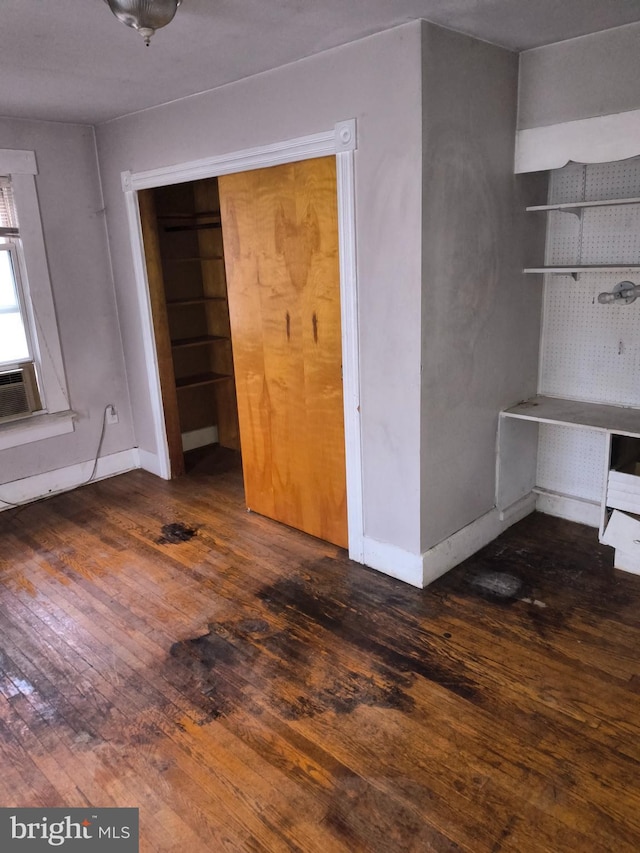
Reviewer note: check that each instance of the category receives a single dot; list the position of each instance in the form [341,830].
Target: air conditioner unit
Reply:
[19,394]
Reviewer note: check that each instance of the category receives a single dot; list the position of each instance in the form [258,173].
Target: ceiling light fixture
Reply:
[145,16]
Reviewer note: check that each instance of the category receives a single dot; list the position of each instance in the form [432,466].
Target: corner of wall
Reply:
[463,544]
[472,291]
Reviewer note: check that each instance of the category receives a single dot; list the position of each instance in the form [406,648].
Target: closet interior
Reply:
[185,266]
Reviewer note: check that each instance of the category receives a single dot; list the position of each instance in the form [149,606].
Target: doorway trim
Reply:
[341,141]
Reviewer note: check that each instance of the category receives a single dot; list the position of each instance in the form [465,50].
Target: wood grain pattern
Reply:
[157,298]
[250,689]
[281,254]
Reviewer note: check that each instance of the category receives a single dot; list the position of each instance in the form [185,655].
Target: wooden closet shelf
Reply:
[191,217]
[201,379]
[200,340]
[192,260]
[197,300]
[192,226]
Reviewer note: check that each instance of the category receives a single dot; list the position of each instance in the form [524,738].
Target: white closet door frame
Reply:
[341,142]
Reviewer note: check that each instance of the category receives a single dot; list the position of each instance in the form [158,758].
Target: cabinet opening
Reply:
[625,454]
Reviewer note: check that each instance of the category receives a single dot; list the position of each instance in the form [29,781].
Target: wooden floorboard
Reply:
[251,689]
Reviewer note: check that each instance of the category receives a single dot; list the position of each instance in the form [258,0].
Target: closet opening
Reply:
[244,284]
[184,252]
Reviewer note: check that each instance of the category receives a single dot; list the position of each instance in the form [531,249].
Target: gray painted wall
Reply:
[71,207]
[377,81]
[480,318]
[589,76]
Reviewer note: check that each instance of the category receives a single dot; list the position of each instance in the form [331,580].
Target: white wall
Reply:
[378,82]
[481,319]
[71,207]
[585,77]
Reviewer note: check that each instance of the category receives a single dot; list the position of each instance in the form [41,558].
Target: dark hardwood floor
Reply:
[250,689]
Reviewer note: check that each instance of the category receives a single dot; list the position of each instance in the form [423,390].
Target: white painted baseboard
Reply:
[468,540]
[393,561]
[571,508]
[421,569]
[153,463]
[64,479]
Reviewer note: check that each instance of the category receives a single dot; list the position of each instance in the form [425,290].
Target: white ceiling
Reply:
[71,60]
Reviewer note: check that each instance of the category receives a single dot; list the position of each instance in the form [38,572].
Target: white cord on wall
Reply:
[107,408]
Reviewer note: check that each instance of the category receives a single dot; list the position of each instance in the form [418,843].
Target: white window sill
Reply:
[35,428]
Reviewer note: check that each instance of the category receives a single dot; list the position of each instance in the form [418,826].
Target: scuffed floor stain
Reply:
[236,662]
[501,585]
[173,534]
[353,802]
[312,650]
[533,575]
[403,654]
[505,834]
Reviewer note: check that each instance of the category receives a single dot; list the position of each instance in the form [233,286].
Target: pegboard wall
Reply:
[588,351]
[571,461]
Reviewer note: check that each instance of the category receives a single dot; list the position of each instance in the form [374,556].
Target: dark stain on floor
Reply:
[312,648]
[320,642]
[176,532]
[557,564]
[395,651]
[237,661]
[349,814]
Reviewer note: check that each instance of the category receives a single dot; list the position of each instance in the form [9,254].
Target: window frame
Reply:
[39,316]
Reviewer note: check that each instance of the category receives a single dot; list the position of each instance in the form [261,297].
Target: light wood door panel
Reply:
[281,254]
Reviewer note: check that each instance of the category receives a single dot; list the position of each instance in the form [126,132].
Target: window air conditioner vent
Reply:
[18,392]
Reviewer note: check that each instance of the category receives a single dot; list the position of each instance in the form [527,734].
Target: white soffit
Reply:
[601,139]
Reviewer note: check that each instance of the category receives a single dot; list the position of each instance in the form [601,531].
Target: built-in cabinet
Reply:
[621,516]
[185,266]
[576,445]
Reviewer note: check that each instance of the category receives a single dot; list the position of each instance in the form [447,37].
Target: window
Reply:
[34,402]
[14,342]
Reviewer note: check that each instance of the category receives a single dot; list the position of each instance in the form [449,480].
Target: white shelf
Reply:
[556,410]
[573,205]
[575,270]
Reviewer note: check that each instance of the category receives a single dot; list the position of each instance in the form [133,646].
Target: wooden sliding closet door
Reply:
[280,236]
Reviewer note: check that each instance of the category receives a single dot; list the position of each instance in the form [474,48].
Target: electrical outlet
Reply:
[112,414]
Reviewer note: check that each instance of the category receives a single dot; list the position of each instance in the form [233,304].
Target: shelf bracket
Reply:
[575,211]
[574,275]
